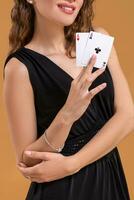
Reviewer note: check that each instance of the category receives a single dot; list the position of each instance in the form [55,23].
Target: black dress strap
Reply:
[27,63]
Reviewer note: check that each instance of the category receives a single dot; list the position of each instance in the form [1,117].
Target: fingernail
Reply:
[104,84]
[102,68]
[28,152]
[93,56]
[21,164]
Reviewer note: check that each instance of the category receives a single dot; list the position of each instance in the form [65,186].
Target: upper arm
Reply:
[19,103]
[123,100]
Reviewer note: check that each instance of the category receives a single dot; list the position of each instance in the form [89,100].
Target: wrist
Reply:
[66,117]
[72,164]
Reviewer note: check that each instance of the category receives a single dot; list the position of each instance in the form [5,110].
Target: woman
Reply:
[65,121]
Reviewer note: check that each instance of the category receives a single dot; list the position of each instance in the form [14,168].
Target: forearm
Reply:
[57,133]
[105,140]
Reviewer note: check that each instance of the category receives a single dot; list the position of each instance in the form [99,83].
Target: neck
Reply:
[49,36]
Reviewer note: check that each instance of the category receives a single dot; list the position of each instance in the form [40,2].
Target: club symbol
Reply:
[97,50]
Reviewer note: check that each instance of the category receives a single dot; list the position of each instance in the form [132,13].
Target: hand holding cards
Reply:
[80,94]
[89,43]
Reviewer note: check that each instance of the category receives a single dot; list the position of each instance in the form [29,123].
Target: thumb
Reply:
[20,164]
[39,155]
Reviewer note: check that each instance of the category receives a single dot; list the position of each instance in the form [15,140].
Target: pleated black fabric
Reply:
[103,179]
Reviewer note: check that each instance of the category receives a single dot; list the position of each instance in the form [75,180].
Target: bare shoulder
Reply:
[15,68]
[101,30]
[17,77]
[16,71]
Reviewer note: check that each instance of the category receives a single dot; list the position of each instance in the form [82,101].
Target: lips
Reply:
[66,5]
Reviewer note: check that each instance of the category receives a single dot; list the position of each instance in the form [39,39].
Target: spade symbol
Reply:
[91,35]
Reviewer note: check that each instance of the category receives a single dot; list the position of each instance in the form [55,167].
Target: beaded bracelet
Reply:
[54,148]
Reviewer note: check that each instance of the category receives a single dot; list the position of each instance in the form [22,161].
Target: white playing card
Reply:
[99,44]
[81,39]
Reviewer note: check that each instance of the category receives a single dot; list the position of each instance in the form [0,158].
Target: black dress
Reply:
[103,179]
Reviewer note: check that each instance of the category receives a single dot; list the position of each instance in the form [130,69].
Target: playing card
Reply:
[99,44]
[81,39]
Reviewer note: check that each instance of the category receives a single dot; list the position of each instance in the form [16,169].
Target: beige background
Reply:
[117,18]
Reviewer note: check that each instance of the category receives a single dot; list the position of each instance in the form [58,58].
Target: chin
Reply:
[66,22]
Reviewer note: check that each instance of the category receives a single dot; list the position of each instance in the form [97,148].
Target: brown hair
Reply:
[22,29]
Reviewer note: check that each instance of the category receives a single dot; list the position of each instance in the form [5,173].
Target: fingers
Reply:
[29,171]
[34,174]
[88,69]
[32,179]
[35,179]
[91,64]
[97,73]
[96,90]
[38,155]
[26,171]
[90,78]
[81,74]
[22,164]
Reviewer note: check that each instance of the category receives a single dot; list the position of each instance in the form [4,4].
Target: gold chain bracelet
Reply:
[54,148]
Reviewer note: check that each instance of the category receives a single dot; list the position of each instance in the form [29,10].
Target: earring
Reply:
[30,1]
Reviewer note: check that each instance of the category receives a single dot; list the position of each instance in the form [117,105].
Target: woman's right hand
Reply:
[79,96]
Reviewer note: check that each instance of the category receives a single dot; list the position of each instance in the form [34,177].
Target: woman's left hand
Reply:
[53,166]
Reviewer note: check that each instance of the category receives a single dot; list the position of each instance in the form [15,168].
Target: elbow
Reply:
[130,123]
[131,118]
[24,158]
[127,118]
[28,160]
[21,157]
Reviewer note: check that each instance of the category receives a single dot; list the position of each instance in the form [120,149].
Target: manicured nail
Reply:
[21,164]
[102,68]
[104,84]
[93,56]
[28,152]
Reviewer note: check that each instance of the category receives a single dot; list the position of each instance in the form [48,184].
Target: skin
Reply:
[48,39]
